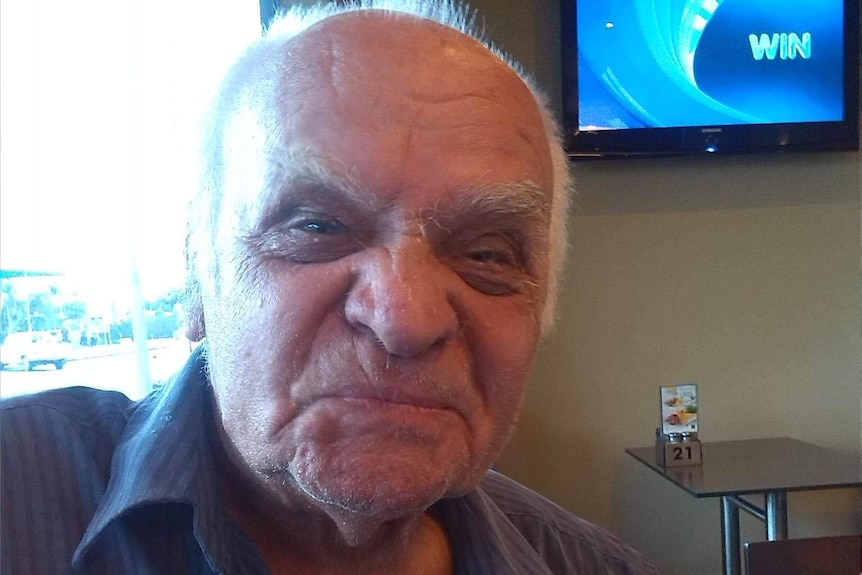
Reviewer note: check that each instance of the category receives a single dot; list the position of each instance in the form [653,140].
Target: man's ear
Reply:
[196,328]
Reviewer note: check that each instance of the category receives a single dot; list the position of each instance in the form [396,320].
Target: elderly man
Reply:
[373,256]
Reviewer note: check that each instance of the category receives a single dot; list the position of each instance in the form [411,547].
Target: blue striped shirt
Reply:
[94,483]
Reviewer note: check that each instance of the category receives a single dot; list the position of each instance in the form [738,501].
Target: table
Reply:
[771,467]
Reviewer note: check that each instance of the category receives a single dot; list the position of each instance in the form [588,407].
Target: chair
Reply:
[834,555]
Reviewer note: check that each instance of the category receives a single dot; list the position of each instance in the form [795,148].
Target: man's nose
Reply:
[403,296]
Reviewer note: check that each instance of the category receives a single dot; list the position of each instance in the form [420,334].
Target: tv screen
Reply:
[710,76]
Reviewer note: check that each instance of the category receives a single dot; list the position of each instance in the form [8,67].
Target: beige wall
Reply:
[741,274]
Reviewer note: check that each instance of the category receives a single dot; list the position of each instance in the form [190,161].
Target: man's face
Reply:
[382,266]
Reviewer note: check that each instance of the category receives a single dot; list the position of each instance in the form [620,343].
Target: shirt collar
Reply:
[483,539]
[164,456]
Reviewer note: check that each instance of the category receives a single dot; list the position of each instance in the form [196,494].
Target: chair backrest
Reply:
[836,555]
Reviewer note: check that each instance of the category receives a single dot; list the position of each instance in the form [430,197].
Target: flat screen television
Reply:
[656,77]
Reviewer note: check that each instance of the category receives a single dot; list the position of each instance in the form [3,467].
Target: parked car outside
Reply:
[28,349]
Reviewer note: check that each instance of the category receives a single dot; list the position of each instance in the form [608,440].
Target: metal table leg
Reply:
[776,515]
[730,537]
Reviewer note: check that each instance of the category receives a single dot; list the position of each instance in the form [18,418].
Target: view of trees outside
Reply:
[50,308]
[54,333]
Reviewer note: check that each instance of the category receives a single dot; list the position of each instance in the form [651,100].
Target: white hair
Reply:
[205,206]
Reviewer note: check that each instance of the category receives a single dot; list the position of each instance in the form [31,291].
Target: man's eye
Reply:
[500,257]
[319,226]
[493,250]
[492,264]
[308,238]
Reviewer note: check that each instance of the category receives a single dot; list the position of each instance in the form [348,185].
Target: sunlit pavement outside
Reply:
[103,367]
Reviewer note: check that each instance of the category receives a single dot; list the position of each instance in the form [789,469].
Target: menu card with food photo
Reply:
[679,408]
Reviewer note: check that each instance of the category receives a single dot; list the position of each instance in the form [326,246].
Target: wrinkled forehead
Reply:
[386,54]
[395,86]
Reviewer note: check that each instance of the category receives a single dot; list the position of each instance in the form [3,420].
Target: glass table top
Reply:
[758,466]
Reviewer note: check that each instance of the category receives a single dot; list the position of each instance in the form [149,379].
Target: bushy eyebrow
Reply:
[518,200]
[306,172]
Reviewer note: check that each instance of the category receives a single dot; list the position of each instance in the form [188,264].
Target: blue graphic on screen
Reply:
[672,63]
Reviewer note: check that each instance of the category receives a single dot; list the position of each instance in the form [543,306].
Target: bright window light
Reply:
[100,104]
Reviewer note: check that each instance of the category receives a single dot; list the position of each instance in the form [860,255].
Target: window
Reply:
[100,104]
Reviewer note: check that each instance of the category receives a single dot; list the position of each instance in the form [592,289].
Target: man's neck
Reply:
[313,544]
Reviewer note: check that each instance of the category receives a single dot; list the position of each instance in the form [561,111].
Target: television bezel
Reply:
[710,139]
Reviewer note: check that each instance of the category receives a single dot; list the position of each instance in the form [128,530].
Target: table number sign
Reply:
[677,443]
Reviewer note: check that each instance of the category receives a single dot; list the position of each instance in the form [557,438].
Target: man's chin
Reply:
[384,487]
